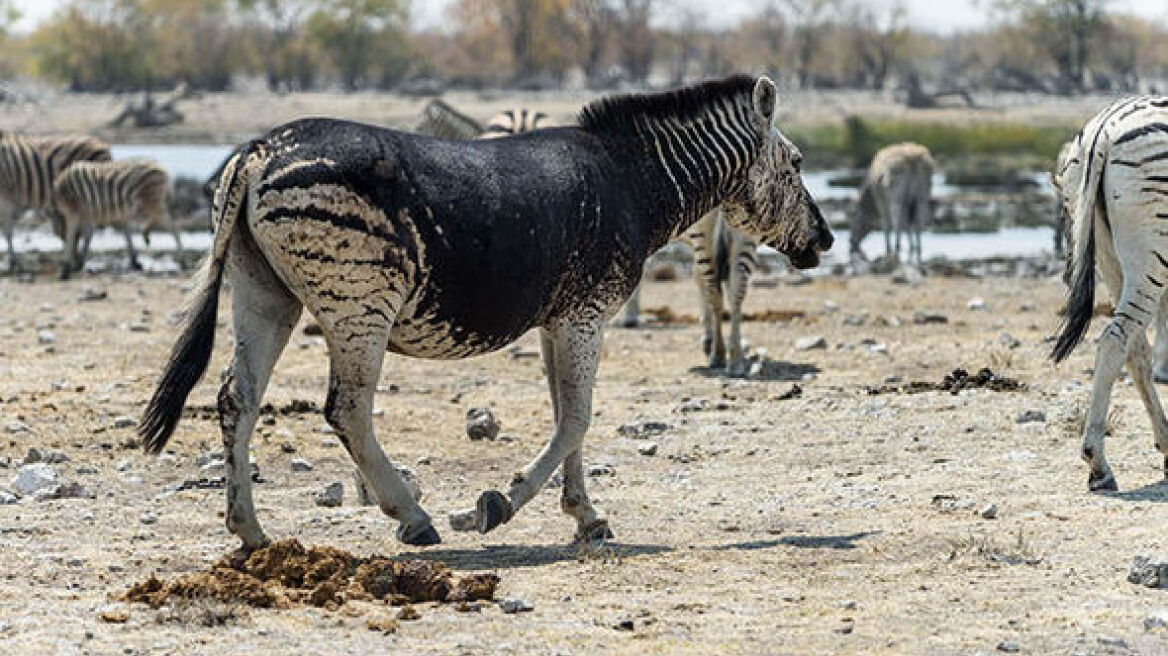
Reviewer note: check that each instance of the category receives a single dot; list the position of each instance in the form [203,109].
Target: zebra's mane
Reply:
[621,114]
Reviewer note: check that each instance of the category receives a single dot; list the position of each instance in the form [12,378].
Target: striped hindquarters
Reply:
[514,121]
[107,192]
[29,166]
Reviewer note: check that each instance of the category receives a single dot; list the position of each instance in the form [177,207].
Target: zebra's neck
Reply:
[696,163]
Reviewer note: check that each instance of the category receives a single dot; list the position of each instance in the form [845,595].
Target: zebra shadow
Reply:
[1155,492]
[511,556]
[802,542]
[768,371]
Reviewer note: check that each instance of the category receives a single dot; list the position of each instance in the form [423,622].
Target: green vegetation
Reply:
[989,144]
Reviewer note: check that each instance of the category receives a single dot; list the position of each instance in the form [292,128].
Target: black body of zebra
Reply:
[28,168]
[447,249]
[89,194]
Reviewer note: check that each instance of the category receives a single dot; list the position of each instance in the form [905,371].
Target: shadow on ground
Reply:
[772,370]
[507,556]
[801,542]
[1156,492]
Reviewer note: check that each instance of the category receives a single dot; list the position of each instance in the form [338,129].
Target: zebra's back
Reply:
[107,191]
[29,166]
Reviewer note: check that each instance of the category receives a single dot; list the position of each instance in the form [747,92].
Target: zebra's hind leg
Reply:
[133,254]
[355,356]
[742,262]
[1160,351]
[264,314]
[575,350]
[1139,366]
[9,235]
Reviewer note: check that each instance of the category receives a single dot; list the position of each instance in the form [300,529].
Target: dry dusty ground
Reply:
[238,116]
[836,522]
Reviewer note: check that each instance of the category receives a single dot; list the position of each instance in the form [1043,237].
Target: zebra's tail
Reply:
[1081,290]
[192,352]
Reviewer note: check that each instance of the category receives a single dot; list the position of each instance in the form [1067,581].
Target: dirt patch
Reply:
[666,315]
[959,379]
[772,316]
[293,407]
[286,574]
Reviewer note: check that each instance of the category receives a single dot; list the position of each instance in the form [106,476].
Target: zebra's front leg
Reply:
[631,315]
[355,356]
[741,269]
[710,297]
[86,240]
[575,349]
[9,235]
[1160,351]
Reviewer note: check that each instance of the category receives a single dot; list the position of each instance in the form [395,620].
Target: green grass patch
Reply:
[853,142]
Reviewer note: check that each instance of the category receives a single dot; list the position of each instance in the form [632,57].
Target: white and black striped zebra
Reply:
[441,120]
[28,168]
[1112,184]
[91,194]
[447,249]
[514,121]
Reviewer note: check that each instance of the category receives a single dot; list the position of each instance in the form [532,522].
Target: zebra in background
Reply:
[106,193]
[28,167]
[896,192]
[1111,184]
[445,122]
[514,121]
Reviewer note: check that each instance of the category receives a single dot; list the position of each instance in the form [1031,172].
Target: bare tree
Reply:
[810,20]
[878,40]
[636,38]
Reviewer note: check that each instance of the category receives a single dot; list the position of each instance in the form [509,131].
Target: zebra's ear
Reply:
[766,97]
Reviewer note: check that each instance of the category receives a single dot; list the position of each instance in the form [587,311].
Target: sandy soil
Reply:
[238,116]
[834,522]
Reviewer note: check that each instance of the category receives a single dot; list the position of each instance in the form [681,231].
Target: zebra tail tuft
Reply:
[1081,292]
[192,352]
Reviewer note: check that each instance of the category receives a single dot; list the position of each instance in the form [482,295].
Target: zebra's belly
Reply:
[435,338]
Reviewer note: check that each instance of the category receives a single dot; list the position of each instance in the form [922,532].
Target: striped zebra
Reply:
[91,194]
[514,121]
[445,122]
[28,167]
[449,249]
[895,194]
[1112,183]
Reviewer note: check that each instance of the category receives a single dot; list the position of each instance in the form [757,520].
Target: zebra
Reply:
[449,249]
[1111,182]
[514,121]
[896,191]
[28,167]
[445,122]
[723,257]
[103,193]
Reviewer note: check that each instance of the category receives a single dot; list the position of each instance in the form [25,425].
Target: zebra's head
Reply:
[774,205]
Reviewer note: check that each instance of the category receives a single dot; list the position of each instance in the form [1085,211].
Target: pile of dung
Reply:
[770,316]
[284,574]
[666,315]
[954,382]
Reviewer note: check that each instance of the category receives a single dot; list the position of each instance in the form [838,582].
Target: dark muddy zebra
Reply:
[28,167]
[449,249]
[92,194]
[895,194]
[1111,182]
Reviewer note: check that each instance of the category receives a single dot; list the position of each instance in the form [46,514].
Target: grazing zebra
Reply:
[105,193]
[896,191]
[723,257]
[449,249]
[28,167]
[1111,182]
[445,122]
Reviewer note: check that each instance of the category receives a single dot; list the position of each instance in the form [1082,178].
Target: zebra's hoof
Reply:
[424,538]
[1099,482]
[491,510]
[628,322]
[1160,376]
[597,531]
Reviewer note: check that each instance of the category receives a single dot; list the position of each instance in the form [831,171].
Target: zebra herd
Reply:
[457,244]
[74,182]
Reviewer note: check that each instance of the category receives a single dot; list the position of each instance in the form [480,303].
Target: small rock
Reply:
[1027,307]
[408,613]
[693,405]
[33,478]
[114,616]
[1149,571]
[810,343]
[1009,647]
[1157,620]
[481,424]
[625,625]
[976,303]
[1110,641]
[601,470]
[511,605]
[93,294]
[124,421]
[411,481]
[923,318]
[855,319]
[893,379]
[647,449]
[1029,416]
[642,429]
[848,604]
[301,465]
[148,518]
[331,496]
[879,349]
[8,497]
[989,511]
[16,427]
[382,623]
[830,306]
[1009,341]
[51,457]
[286,447]
[86,470]
[46,337]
